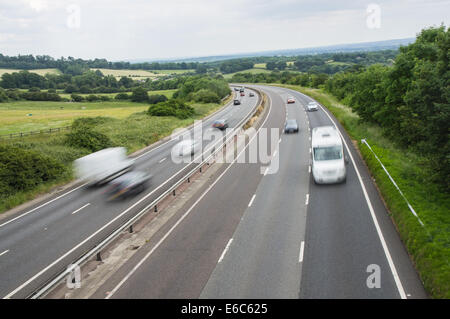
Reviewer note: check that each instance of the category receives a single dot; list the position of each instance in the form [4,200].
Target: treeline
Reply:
[235,65]
[410,100]
[86,83]
[74,66]
[304,79]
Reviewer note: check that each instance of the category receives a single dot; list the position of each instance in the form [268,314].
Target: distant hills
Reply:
[352,47]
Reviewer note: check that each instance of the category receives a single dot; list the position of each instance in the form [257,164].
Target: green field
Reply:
[253,71]
[37,71]
[140,74]
[14,116]
[260,65]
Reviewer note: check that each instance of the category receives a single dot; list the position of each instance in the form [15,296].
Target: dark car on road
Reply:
[220,124]
[237,102]
[129,184]
[291,126]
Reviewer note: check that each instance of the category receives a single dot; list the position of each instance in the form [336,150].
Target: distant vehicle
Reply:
[241,90]
[187,147]
[236,89]
[102,166]
[130,183]
[237,102]
[242,94]
[291,126]
[290,100]
[220,124]
[312,106]
[251,94]
[328,161]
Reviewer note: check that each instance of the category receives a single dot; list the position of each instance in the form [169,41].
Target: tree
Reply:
[139,95]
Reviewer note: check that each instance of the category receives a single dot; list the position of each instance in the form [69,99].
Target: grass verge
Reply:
[429,246]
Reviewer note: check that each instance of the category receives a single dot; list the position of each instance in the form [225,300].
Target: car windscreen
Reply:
[327,153]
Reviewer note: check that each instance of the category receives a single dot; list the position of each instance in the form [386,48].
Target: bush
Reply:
[22,169]
[139,95]
[205,96]
[122,96]
[157,98]
[3,96]
[84,136]
[173,107]
[77,98]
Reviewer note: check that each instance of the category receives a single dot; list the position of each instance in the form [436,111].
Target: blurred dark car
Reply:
[220,124]
[129,184]
[251,94]
[291,126]
[237,102]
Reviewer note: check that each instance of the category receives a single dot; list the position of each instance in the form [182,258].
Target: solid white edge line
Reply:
[374,218]
[81,208]
[307,199]
[251,201]
[46,203]
[112,292]
[12,293]
[1,254]
[225,250]
[302,249]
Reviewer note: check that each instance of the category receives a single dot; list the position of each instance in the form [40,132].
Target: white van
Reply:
[103,165]
[328,161]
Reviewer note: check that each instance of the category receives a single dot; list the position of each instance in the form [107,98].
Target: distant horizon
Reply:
[180,58]
[243,54]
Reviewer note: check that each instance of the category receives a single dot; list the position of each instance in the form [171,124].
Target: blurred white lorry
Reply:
[103,166]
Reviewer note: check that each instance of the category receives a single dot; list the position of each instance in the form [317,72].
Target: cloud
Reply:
[118,29]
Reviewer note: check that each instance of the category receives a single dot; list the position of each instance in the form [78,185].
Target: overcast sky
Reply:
[129,29]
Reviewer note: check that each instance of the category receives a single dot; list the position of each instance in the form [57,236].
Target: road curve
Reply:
[252,234]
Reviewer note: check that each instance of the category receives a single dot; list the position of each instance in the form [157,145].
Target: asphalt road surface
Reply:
[38,243]
[256,232]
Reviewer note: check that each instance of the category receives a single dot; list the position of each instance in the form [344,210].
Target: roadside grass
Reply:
[167,72]
[37,71]
[429,246]
[134,132]
[167,93]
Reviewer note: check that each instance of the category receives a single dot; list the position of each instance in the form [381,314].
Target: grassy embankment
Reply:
[428,247]
[133,131]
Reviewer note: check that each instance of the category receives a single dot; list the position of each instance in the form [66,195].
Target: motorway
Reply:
[40,242]
[254,232]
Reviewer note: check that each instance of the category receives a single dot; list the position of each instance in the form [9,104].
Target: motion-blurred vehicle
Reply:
[290,100]
[251,94]
[187,147]
[291,126]
[128,184]
[328,161]
[102,166]
[236,89]
[312,106]
[220,124]
[241,90]
[237,102]
[242,94]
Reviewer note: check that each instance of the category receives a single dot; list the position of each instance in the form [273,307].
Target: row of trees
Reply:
[286,77]
[410,100]
[74,66]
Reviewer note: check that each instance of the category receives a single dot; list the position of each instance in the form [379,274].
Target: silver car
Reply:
[312,106]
